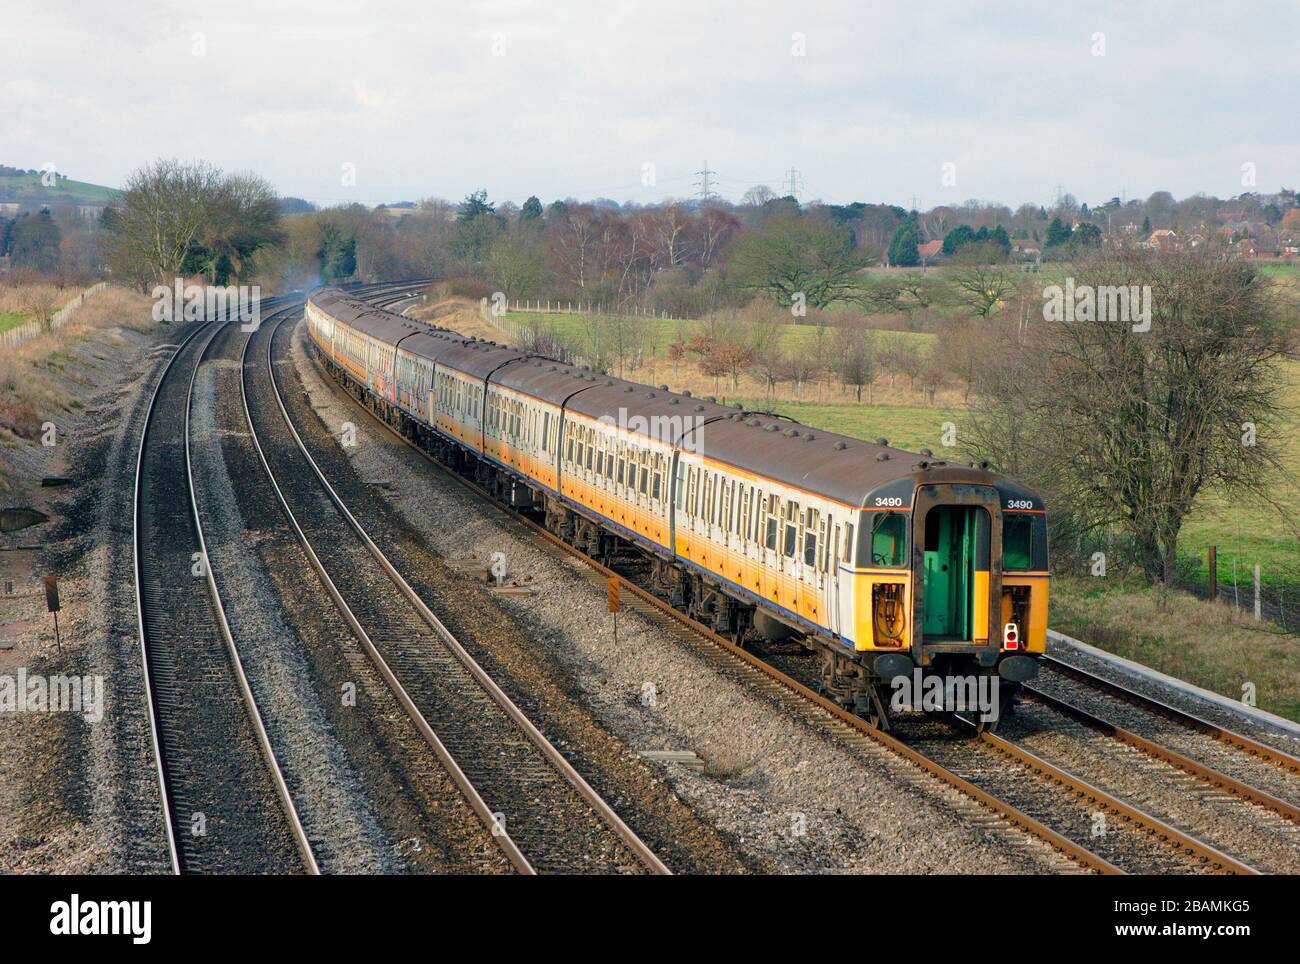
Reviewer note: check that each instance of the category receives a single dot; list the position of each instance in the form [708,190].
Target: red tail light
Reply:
[1010,636]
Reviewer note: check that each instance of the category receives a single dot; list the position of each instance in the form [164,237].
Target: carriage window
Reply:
[848,542]
[1017,541]
[773,520]
[810,538]
[888,539]
[645,474]
[791,528]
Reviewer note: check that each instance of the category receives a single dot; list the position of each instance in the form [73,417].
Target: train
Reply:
[892,565]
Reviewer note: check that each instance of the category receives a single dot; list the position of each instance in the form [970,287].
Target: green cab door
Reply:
[949,578]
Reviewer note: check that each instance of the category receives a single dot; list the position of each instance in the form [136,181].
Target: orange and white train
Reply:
[885,560]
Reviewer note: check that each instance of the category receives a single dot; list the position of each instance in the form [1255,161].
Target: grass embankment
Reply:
[45,379]
[11,319]
[1213,645]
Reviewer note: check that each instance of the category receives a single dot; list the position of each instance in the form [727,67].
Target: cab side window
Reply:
[889,539]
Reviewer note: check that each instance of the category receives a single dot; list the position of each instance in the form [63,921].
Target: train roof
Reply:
[544,378]
[477,358]
[766,444]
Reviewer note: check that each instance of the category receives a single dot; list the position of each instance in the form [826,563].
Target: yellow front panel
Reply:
[863,587]
[1035,634]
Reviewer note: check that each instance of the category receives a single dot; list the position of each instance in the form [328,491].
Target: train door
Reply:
[834,548]
[949,573]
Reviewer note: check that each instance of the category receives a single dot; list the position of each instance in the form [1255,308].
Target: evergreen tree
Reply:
[1057,234]
[532,209]
[962,234]
[476,204]
[1146,228]
[337,253]
[903,248]
[34,242]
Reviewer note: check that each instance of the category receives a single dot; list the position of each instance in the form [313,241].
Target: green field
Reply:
[910,427]
[11,319]
[574,330]
[1247,529]
[28,187]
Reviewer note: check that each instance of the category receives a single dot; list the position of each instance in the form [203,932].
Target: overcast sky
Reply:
[869,100]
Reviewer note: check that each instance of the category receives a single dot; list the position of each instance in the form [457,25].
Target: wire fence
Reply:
[30,329]
[556,307]
[1267,590]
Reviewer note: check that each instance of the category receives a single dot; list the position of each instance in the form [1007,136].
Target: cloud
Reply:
[572,99]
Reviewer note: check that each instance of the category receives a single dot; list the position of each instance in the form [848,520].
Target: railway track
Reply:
[540,811]
[226,807]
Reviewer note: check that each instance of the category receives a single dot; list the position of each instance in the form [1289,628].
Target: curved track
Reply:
[541,812]
[226,807]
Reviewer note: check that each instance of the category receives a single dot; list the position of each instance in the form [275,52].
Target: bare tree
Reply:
[163,211]
[980,284]
[1130,426]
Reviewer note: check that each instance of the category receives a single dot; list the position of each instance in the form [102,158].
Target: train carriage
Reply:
[882,559]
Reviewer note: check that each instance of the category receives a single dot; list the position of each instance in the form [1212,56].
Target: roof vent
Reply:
[840,446]
[686,392]
[650,395]
[629,389]
[663,388]
[882,457]
[808,436]
[790,433]
[673,401]
[753,423]
[699,408]
[712,398]
[926,452]
[882,441]
[922,465]
[769,427]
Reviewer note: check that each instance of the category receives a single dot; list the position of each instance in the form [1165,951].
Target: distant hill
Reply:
[28,189]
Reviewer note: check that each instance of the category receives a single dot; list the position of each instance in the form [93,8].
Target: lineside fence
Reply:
[1225,573]
[30,329]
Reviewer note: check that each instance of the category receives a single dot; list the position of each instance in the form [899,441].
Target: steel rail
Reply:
[1216,778]
[150,695]
[1237,741]
[603,810]
[236,661]
[467,789]
[1162,831]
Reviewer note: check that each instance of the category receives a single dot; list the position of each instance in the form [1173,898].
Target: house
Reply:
[1025,249]
[1162,239]
[930,252]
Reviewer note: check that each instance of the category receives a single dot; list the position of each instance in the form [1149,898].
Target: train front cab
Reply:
[970,598]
